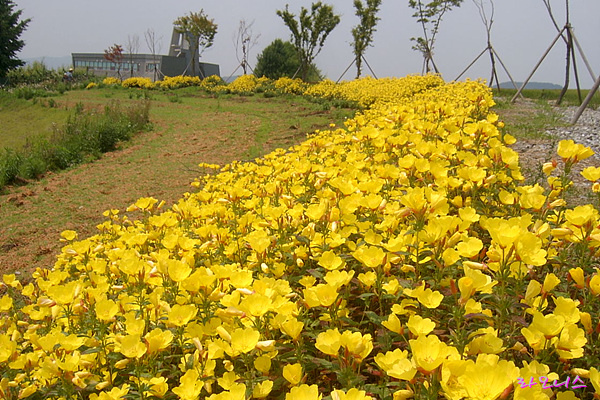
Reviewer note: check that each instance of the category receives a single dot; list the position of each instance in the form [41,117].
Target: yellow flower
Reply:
[427,297]
[591,173]
[569,150]
[595,378]
[396,364]
[190,385]
[428,352]
[470,247]
[304,392]
[158,340]
[368,278]
[292,327]
[106,310]
[181,315]
[486,341]
[578,276]
[158,386]
[352,394]
[178,270]
[262,390]
[329,342]
[114,394]
[132,347]
[7,348]
[329,260]
[360,346]
[420,326]
[488,377]
[595,284]
[581,215]
[263,364]
[244,340]
[550,282]
[6,303]
[570,343]
[549,325]
[293,373]
[393,324]
[370,256]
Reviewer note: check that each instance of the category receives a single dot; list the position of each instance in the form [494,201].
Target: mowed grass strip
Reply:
[160,163]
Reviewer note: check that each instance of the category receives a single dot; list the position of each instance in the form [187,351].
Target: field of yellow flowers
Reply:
[398,257]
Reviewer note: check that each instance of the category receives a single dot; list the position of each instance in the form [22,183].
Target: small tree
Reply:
[11,28]
[280,59]
[154,46]
[114,54]
[244,40]
[199,32]
[309,31]
[429,15]
[363,32]
[133,46]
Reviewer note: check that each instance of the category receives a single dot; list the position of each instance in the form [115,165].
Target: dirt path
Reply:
[160,163]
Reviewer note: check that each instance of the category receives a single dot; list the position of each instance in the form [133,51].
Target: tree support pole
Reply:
[581,53]
[506,70]
[538,65]
[238,67]
[585,103]
[473,62]
[346,70]
[370,69]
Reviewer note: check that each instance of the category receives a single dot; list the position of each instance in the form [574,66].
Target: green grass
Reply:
[23,119]
[571,97]
[528,119]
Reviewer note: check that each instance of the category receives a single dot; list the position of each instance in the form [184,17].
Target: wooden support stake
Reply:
[346,70]
[538,65]
[473,62]
[585,103]
[370,69]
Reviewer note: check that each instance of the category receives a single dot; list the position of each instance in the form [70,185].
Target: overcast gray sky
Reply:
[521,33]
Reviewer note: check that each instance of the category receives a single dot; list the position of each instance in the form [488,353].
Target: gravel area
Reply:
[533,152]
[586,131]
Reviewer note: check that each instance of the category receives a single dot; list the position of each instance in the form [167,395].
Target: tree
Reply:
[11,28]
[199,32]
[154,46]
[133,46]
[429,15]
[280,59]
[363,32]
[244,40]
[114,54]
[309,31]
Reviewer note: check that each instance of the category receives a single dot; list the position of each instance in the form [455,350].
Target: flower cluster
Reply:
[290,86]
[180,81]
[398,257]
[111,81]
[138,82]
[246,84]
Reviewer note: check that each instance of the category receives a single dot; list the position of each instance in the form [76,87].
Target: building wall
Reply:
[139,65]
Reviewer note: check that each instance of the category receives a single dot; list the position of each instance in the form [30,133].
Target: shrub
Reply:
[137,82]
[179,82]
[110,81]
[211,82]
[83,136]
